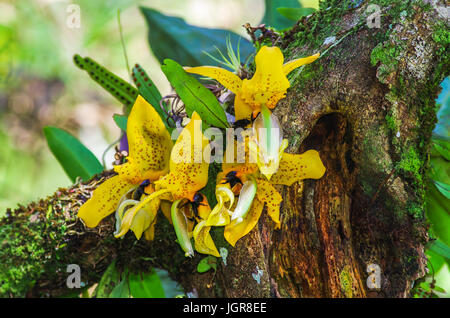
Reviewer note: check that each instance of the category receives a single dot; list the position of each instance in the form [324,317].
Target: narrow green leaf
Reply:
[443,188]
[194,95]
[150,92]
[441,146]
[116,86]
[146,285]
[121,121]
[74,157]
[122,290]
[108,281]
[171,37]
[440,248]
[439,170]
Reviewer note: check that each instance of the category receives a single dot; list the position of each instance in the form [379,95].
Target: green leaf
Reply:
[116,86]
[441,146]
[273,18]
[172,37]
[438,213]
[443,188]
[122,290]
[121,121]
[295,14]
[206,264]
[439,289]
[108,281]
[194,95]
[436,261]
[146,285]
[151,94]
[74,157]
[439,170]
[440,248]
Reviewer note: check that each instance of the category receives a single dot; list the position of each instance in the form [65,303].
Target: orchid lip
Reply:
[245,200]
[180,225]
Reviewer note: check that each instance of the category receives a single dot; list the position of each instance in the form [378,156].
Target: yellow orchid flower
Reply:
[255,191]
[267,86]
[188,173]
[150,145]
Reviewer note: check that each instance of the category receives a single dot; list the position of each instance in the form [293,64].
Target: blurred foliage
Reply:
[437,282]
[189,45]
[21,175]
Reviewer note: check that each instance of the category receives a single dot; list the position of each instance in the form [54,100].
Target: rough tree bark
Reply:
[367,106]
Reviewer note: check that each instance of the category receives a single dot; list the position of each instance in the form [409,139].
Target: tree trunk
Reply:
[367,106]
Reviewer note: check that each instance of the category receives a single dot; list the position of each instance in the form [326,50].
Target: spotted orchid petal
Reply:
[228,79]
[268,85]
[203,241]
[294,168]
[188,167]
[236,230]
[292,65]
[149,148]
[104,200]
[149,145]
[270,197]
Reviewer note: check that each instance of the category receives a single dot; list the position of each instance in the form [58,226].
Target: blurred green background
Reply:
[40,85]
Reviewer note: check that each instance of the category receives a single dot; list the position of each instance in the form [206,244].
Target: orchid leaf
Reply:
[146,285]
[108,281]
[116,86]
[74,157]
[440,248]
[195,96]
[438,213]
[122,289]
[206,264]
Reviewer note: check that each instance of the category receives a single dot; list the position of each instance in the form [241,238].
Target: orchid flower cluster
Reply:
[160,175]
